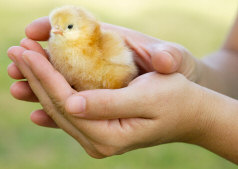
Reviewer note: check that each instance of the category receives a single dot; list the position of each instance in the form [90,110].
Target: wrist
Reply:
[216,127]
[194,121]
[197,119]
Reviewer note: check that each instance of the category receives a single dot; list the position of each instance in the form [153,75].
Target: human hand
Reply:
[150,111]
[220,133]
[150,54]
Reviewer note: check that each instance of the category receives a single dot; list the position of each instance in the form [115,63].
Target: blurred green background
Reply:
[198,25]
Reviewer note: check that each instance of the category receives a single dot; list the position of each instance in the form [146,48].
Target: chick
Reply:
[86,55]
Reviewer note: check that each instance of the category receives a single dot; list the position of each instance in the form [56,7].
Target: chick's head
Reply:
[72,23]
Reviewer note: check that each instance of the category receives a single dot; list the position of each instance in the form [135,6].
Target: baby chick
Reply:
[87,56]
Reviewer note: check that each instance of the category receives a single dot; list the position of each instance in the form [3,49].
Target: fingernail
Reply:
[171,60]
[76,105]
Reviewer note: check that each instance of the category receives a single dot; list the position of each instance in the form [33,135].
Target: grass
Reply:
[199,25]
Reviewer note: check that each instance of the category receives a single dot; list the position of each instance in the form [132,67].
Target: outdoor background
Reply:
[198,25]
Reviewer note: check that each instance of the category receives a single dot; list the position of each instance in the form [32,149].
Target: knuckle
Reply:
[106,151]
[94,154]
[105,104]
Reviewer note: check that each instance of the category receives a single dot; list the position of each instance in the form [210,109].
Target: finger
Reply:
[106,104]
[15,54]
[39,29]
[40,118]
[166,58]
[52,81]
[33,45]
[163,62]
[22,91]
[137,42]
[154,54]
[14,72]
[170,58]
[29,44]
[126,33]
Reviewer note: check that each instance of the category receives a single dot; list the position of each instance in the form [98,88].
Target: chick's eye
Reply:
[70,26]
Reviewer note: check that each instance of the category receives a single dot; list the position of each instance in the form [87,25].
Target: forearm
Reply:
[220,125]
[219,72]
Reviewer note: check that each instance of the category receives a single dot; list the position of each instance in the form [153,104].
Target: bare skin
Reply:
[219,70]
[193,114]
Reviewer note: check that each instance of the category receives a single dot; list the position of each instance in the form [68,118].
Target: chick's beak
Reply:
[57,31]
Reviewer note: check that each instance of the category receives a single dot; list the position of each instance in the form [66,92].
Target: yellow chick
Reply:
[87,56]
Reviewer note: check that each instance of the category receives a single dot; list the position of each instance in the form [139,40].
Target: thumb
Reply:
[169,58]
[105,104]
[154,54]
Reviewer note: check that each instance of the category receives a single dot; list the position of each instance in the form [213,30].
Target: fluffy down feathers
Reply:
[87,56]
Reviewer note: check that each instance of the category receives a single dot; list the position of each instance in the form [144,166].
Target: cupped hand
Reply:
[152,110]
[150,54]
